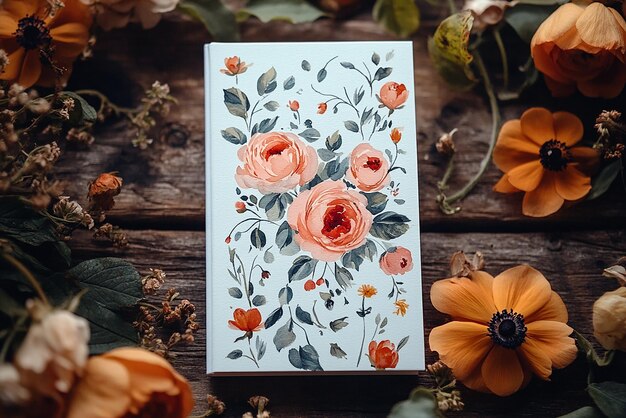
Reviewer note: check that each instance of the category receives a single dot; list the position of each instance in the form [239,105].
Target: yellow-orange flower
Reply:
[395,135]
[248,321]
[367,290]
[582,47]
[538,156]
[234,66]
[37,42]
[130,382]
[503,329]
[401,307]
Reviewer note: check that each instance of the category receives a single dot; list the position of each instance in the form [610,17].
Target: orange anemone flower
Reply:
[37,42]
[130,382]
[503,329]
[538,156]
[247,321]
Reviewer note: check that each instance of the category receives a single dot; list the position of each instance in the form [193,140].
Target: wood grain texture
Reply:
[164,185]
[572,262]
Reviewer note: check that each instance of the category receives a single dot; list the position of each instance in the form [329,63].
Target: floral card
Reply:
[313,251]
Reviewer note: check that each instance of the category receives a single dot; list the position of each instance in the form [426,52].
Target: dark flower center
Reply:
[336,222]
[554,155]
[507,329]
[32,33]
[404,262]
[373,163]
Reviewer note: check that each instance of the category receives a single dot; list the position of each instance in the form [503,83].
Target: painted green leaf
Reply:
[284,336]
[217,18]
[236,102]
[389,225]
[235,354]
[305,358]
[401,17]
[234,136]
[293,11]
[448,50]
[266,82]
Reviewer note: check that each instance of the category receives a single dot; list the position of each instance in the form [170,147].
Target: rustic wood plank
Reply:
[572,262]
[164,185]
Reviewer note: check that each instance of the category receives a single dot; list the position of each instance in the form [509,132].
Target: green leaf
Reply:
[584,412]
[401,17]
[108,329]
[305,358]
[303,316]
[601,183]
[610,397]
[274,317]
[301,268]
[421,404]
[376,202]
[217,18]
[448,50]
[389,225]
[257,238]
[266,82]
[284,336]
[234,136]
[525,19]
[236,102]
[111,282]
[293,11]
[82,112]
[235,354]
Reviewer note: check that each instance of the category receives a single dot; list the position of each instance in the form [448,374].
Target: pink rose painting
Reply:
[368,168]
[330,220]
[275,162]
[321,198]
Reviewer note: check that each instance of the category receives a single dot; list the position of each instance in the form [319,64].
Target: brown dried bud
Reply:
[617,272]
[4,60]
[445,144]
[461,266]
[215,406]
[258,402]
[103,189]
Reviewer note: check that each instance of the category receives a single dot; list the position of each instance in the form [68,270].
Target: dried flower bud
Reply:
[153,281]
[612,134]
[609,320]
[445,144]
[215,406]
[103,189]
[41,159]
[12,392]
[4,60]
[71,211]
[487,12]
[39,106]
[618,272]
[258,402]
[462,266]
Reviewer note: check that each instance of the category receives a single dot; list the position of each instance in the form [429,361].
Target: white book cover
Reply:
[313,249]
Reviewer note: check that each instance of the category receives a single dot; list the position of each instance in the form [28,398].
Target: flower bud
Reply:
[609,320]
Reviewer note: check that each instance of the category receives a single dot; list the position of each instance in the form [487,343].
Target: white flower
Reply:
[118,13]
[53,353]
[11,390]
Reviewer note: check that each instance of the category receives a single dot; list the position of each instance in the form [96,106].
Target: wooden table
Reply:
[162,209]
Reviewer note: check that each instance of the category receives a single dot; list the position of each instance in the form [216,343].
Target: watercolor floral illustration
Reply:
[308,200]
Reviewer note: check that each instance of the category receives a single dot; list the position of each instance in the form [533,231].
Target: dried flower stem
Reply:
[27,275]
[105,102]
[446,202]
[503,57]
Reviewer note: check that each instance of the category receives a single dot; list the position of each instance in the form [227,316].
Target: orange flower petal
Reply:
[597,27]
[587,159]
[553,339]
[513,148]
[464,298]
[15,65]
[462,346]
[537,124]
[609,85]
[527,177]
[544,200]
[536,358]
[568,128]
[553,310]
[21,8]
[559,89]
[502,371]
[70,39]
[504,186]
[31,69]
[571,184]
[558,23]
[475,381]
[102,392]
[522,289]
[8,25]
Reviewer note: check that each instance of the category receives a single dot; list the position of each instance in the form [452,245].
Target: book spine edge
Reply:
[208,209]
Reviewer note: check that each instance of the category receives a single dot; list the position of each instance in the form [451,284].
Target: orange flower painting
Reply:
[321,108]
[234,66]
[383,355]
[393,95]
[539,156]
[503,329]
[42,47]
[246,320]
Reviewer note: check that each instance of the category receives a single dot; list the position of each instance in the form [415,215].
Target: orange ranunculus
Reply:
[537,155]
[383,355]
[393,95]
[396,260]
[37,42]
[130,382]
[234,66]
[247,321]
[396,135]
[321,108]
[503,329]
[582,47]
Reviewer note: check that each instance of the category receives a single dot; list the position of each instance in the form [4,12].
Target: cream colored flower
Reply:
[112,14]
[53,353]
[11,390]
[609,320]
[487,12]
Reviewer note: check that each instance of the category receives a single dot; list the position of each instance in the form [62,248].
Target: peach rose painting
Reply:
[312,214]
